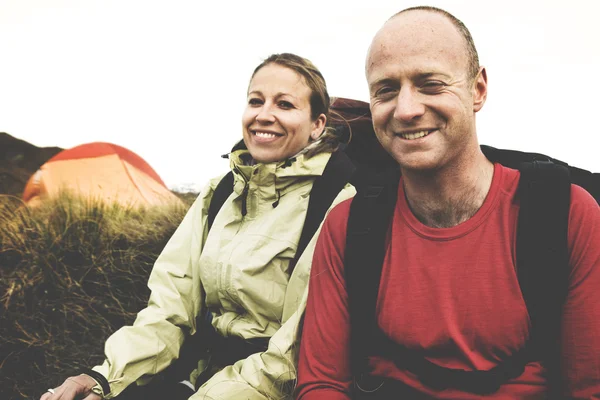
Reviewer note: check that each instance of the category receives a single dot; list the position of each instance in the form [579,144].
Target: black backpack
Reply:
[542,254]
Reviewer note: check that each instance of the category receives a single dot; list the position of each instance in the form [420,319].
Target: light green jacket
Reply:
[241,269]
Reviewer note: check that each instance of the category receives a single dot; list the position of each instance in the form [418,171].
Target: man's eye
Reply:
[432,86]
[255,102]
[285,104]
[385,91]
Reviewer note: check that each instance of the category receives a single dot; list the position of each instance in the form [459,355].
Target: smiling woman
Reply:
[240,272]
[277,121]
[288,107]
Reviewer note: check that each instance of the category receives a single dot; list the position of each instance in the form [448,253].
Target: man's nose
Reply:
[408,105]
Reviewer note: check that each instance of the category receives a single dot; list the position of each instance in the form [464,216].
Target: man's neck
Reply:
[447,197]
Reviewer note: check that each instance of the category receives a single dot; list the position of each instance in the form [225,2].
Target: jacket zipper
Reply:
[244,193]
[244,198]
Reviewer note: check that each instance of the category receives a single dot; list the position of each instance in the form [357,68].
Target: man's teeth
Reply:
[265,134]
[414,135]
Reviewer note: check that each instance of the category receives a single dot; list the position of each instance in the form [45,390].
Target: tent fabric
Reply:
[100,171]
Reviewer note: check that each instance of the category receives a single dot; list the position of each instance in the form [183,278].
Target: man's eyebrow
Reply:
[426,75]
[417,77]
[383,81]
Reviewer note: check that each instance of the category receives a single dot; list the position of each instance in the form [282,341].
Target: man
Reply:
[449,290]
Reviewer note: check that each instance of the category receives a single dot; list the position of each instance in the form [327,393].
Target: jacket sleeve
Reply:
[136,353]
[581,313]
[271,374]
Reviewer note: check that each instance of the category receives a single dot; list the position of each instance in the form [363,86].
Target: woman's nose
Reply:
[265,115]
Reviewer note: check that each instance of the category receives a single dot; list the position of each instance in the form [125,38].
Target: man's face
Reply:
[423,101]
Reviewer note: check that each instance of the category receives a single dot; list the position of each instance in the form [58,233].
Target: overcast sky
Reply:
[168,79]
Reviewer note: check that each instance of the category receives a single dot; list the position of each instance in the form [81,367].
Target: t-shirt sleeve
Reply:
[581,314]
[323,367]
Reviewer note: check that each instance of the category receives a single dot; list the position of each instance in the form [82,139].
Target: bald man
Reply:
[449,307]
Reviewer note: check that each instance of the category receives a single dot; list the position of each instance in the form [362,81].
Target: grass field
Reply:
[71,272]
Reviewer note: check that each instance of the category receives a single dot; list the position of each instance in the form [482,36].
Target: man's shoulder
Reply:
[510,175]
[583,206]
[342,210]
[580,196]
[338,216]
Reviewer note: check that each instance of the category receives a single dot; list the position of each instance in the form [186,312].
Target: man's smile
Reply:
[412,135]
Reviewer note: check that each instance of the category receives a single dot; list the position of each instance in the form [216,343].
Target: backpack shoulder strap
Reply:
[370,215]
[515,159]
[223,190]
[221,193]
[543,256]
[587,180]
[336,175]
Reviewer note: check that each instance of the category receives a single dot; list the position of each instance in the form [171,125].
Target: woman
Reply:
[240,272]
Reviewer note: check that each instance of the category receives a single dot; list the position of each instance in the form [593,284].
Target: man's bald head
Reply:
[470,50]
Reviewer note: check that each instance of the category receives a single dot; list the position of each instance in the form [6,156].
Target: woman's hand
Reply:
[74,388]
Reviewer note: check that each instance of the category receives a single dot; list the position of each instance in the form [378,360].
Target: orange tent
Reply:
[99,170]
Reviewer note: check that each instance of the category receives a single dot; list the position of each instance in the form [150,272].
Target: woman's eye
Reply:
[255,102]
[285,104]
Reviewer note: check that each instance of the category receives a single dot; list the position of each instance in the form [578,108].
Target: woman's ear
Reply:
[318,127]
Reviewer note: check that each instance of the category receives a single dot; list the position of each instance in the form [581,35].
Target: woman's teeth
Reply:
[265,134]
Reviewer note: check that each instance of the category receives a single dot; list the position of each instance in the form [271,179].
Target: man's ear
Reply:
[318,127]
[480,89]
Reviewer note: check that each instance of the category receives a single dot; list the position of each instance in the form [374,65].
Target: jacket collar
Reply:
[275,176]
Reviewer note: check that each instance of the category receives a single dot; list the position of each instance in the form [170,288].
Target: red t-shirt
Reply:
[453,293]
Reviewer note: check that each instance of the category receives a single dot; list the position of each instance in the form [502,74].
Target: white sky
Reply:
[167,79]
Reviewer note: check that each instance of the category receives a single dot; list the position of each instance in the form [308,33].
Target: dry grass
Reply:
[71,272]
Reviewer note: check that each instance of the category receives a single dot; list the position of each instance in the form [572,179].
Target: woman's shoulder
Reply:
[205,196]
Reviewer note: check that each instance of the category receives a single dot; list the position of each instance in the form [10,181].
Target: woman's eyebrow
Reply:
[280,94]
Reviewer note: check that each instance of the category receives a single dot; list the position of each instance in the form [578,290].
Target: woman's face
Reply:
[277,121]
